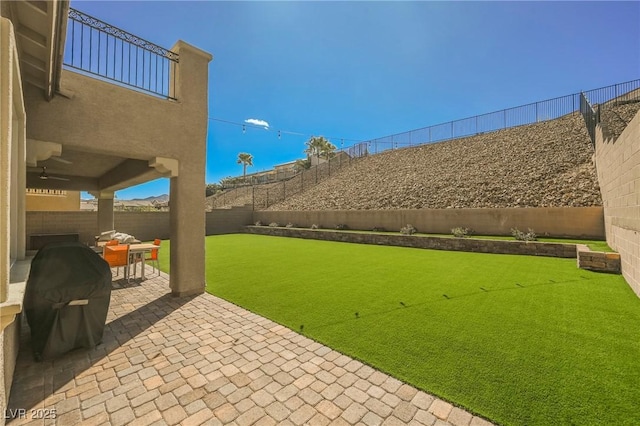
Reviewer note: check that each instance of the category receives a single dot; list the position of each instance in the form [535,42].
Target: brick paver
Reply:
[202,360]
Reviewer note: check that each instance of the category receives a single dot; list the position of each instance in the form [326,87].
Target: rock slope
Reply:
[547,164]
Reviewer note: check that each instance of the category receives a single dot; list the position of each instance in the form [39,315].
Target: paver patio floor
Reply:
[202,360]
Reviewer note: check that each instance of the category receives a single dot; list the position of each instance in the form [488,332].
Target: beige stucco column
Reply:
[105,210]
[187,219]
[187,190]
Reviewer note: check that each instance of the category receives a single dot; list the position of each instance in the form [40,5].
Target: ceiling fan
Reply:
[44,176]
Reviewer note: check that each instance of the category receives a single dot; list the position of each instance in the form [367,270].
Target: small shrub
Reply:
[290,225]
[341,226]
[379,229]
[274,224]
[524,236]
[460,232]
[258,223]
[408,230]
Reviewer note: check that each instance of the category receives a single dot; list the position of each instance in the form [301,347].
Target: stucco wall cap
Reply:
[166,166]
[183,45]
[17,285]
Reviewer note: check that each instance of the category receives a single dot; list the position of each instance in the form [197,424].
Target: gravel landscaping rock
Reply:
[547,164]
[616,118]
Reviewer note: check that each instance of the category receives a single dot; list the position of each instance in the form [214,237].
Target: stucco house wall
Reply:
[12,188]
[104,118]
[52,200]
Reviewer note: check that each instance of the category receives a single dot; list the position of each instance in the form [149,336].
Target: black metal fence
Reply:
[264,194]
[592,102]
[591,117]
[587,103]
[536,112]
[105,51]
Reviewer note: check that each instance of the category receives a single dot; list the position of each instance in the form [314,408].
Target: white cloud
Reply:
[257,122]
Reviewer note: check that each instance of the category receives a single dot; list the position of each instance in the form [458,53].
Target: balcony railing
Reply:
[104,51]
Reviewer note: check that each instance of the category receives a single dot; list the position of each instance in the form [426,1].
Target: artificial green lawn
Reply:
[516,339]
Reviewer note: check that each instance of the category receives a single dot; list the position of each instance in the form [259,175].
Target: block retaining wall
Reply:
[598,261]
[436,243]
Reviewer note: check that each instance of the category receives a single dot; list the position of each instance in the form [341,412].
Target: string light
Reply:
[280,132]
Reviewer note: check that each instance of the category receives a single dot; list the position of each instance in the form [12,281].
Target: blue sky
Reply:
[360,70]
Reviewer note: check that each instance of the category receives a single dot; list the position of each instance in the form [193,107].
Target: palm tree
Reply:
[327,150]
[246,160]
[302,165]
[319,146]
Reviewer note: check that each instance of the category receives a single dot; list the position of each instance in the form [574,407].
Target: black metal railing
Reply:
[615,94]
[262,194]
[264,191]
[536,112]
[105,51]
[590,115]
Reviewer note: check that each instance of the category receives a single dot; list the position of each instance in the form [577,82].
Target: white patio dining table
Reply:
[141,250]
[136,250]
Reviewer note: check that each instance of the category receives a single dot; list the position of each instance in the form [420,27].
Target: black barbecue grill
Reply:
[66,299]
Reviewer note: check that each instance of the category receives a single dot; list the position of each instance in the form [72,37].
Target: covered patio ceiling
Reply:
[40,28]
[53,166]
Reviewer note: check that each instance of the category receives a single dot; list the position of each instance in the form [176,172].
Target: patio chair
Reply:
[116,259]
[153,256]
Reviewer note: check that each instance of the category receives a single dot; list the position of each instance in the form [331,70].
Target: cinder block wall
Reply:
[618,165]
[570,222]
[228,221]
[144,226]
[55,222]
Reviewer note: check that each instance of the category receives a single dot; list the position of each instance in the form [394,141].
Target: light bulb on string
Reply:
[244,129]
